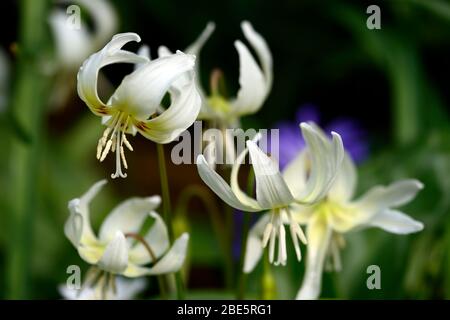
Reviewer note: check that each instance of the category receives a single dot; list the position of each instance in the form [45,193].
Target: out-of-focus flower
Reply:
[135,104]
[275,192]
[119,249]
[255,82]
[351,132]
[125,289]
[75,43]
[337,213]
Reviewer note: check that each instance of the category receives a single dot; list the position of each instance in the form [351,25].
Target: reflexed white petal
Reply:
[296,172]
[262,50]
[195,49]
[141,92]
[253,90]
[254,247]
[216,183]
[73,227]
[81,206]
[115,256]
[271,190]
[345,183]
[88,73]
[318,235]
[234,183]
[177,118]
[380,198]
[325,159]
[127,217]
[172,261]
[395,222]
[158,240]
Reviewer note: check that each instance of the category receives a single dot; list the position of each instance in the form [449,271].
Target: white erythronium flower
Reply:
[75,43]
[277,193]
[119,249]
[255,84]
[338,213]
[135,104]
[255,81]
[123,289]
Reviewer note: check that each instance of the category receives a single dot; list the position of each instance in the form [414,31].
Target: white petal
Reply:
[195,49]
[296,172]
[325,159]
[262,50]
[128,289]
[254,247]
[171,262]
[127,217]
[220,187]
[72,45]
[81,206]
[380,198]
[73,227]
[318,235]
[271,190]
[143,51]
[104,18]
[395,222]
[88,73]
[141,92]
[157,239]
[180,115]
[115,256]
[234,183]
[254,89]
[345,183]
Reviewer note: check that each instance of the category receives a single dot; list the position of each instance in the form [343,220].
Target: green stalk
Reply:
[167,211]
[27,110]
[245,227]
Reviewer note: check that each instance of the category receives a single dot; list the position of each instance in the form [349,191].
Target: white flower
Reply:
[119,249]
[135,103]
[125,289]
[337,213]
[277,193]
[255,81]
[74,45]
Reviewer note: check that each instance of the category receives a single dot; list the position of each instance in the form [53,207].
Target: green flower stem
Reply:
[167,211]
[211,207]
[245,227]
[27,109]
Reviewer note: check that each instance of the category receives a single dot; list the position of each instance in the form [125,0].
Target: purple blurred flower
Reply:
[291,140]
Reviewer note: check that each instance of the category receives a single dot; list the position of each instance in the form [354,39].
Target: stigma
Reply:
[113,139]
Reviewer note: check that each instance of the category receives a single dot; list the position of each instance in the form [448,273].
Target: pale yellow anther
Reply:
[106,150]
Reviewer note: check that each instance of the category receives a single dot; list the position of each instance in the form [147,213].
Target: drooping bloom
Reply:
[224,112]
[74,41]
[337,213]
[136,103]
[275,193]
[119,249]
[352,133]
[255,81]
[125,289]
